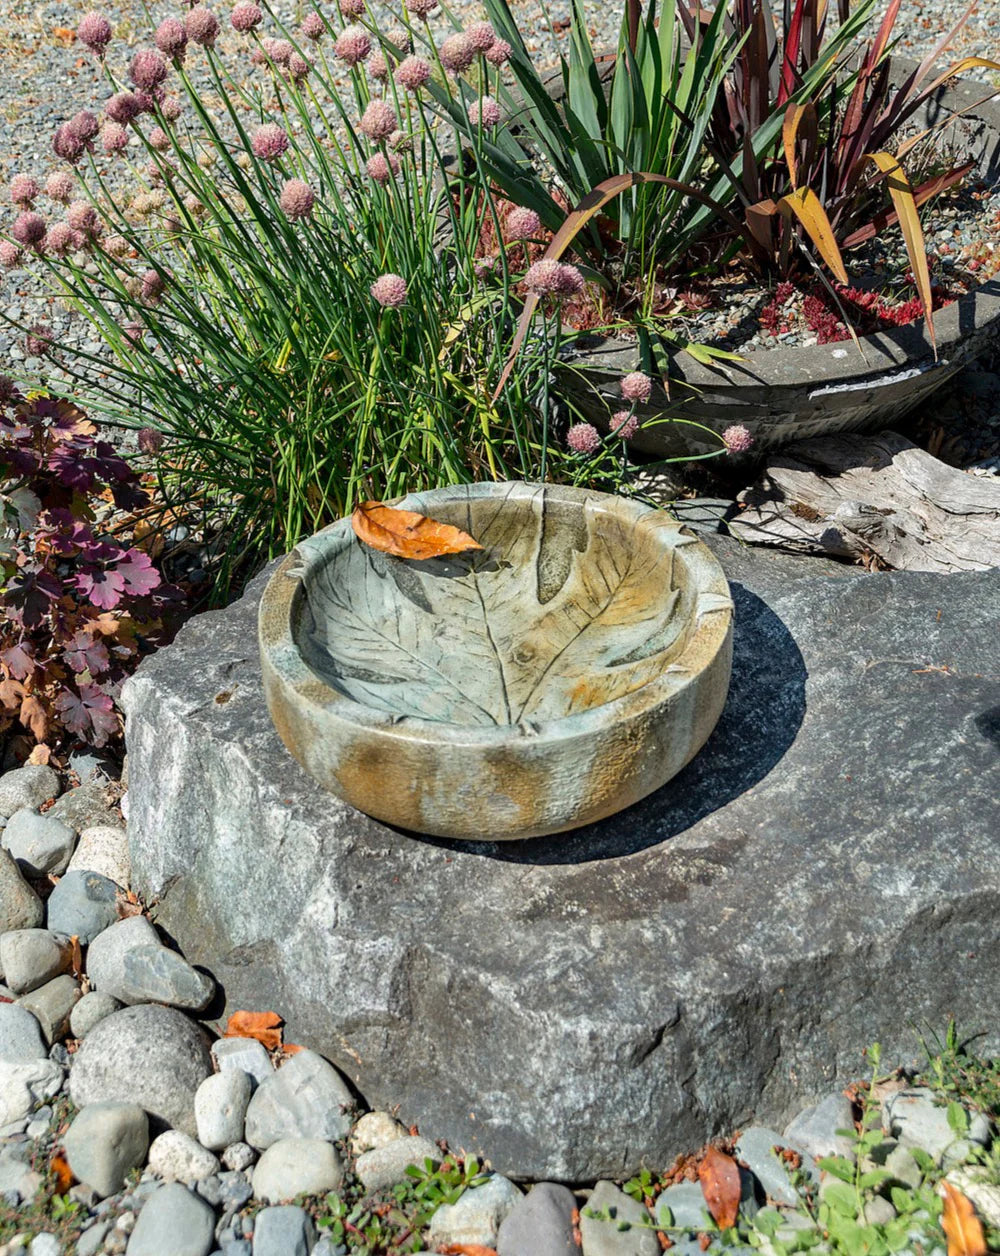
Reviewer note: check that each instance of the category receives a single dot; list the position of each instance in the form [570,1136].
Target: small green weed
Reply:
[391,1222]
[955,1073]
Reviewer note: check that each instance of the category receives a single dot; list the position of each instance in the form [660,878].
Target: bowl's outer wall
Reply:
[787,394]
[516,786]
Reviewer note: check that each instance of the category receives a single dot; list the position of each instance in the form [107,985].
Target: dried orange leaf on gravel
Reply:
[264,1026]
[63,1174]
[719,1176]
[467,1249]
[407,534]
[963,1228]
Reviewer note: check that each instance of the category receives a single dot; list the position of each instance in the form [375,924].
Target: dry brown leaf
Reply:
[126,904]
[264,1026]
[63,1174]
[41,754]
[962,1227]
[407,534]
[76,957]
[719,1176]
[64,34]
[468,1249]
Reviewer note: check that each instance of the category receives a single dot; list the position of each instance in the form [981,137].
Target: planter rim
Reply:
[299,684]
[888,356]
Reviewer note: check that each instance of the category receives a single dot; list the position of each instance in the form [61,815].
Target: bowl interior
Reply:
[569,605]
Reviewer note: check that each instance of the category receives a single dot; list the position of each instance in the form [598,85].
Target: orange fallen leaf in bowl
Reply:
[407,534]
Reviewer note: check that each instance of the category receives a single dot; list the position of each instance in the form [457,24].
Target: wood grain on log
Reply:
[857,496]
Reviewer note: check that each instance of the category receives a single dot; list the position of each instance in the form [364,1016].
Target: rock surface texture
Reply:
[837,831]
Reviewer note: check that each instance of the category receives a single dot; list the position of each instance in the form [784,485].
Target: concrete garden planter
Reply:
[787,394]
[561,675]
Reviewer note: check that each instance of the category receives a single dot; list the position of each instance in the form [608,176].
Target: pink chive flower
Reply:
[60,239]
[399,40]
[153,285]
[352,45]
[94,32]
[171,109]
[114,138]
[82,216]
[522,224]
[484,112]
[149,439]
[245,17]
[583,438]
[38,341]
[377,67]
[422,8]
[378,121]
[498,53]
[84,125]
[382,168]
[59,186]
[312,26]
[10,255]
[116,246]
[389,291]
[269,142]
[457,53]
[202,26]
[551,278]
[147,69]
[279,50]
[159,139]
[352,8]
[636,386]
[297,199]
[23,189]
[401,142]
[481,35]
[737,439]
[68,145]
[298,67]
[624,424]
[147,100]
[412,73]
[123,108]
[171,39]
[28,229]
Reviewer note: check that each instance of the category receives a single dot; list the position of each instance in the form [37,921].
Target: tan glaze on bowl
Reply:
[560,675]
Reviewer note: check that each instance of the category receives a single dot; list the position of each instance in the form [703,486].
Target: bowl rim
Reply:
[284,661]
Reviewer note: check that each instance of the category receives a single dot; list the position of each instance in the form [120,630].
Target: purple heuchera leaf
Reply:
[101,587]
[20,659]
[87,653]
[29,595]
[90,714]
[138,572]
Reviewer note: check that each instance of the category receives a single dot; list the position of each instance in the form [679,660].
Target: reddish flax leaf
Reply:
[407,534]
[720,1184]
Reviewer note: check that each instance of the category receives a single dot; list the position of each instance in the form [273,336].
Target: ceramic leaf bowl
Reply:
[568,669]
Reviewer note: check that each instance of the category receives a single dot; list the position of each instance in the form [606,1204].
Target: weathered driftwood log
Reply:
[860,496]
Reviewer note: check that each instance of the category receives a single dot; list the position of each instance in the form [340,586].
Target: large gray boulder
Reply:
[830,858]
